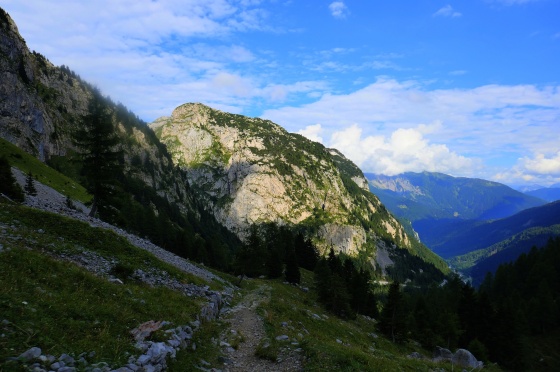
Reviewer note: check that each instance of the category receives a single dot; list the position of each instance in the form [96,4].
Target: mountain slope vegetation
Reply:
[99,314]
[477,264]
[251,171]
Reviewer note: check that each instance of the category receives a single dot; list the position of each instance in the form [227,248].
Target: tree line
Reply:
[513,310]
[275,251]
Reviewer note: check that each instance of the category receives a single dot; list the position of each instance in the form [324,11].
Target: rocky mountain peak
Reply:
[252,171]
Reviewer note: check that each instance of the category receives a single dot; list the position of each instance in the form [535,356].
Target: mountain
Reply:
[212,175]
[549,194]
[471,236]
[42,107]
[438,207]
[427,195]
[478,263]
[252,171]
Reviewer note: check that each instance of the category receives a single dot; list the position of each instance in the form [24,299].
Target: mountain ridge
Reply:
[485,234]
[252,171]
[435,195]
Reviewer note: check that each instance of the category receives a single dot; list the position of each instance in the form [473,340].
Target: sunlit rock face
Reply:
[252,171]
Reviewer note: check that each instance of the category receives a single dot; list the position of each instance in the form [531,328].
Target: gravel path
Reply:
[245,322]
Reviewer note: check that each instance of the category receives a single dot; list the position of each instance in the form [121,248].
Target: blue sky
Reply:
[468,88]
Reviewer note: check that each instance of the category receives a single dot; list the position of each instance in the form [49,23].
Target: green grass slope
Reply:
[61,308]
[43,173]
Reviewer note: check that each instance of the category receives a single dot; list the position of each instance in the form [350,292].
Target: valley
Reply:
[474,224]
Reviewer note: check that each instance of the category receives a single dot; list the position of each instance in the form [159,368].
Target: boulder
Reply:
[30,354]
[464,358]
[442,354]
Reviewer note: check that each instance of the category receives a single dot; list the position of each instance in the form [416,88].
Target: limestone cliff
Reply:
[42,105]
[252,171]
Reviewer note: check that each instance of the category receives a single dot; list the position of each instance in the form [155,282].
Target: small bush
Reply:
[122,271]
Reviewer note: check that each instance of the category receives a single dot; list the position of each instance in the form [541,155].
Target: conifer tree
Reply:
[307,254]
[97,140]
[322,279]
[292,269]
[8,184]
[276,247]
[392,316]
[251,257]
[339,300]
[30,185]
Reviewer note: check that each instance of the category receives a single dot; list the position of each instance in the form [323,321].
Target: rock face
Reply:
[464,358]
[42,105]
[35,97]
[252,171]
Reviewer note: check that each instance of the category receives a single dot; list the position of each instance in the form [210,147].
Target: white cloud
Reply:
[281,92]
[447,11]
[403,150]
[132,49]
[541,164]
[539,169]
[339,9]
[457,72]
[312,132]
[493,123]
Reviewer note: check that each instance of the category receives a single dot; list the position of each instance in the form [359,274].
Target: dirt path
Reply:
[248,328]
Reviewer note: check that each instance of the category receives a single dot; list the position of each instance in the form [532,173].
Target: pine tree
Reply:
[30,185]
[276,251]
[392,322]
[292,269]
[322,279]
[335,264]
[339,300]
[251,257]
[97,140]
[8,184]
[307,254]
[274,263]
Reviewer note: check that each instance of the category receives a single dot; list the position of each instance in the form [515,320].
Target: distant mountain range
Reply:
[549,194]
[533,187]
[477,263]
[474,224]
[428,196]
[468,236]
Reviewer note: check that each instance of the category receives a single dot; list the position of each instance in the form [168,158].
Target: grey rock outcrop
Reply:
[461,357]
[42,105]
[464,358]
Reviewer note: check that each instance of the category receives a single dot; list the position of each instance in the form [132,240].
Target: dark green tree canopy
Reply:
[98,141]
[30,185]
[8,184]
